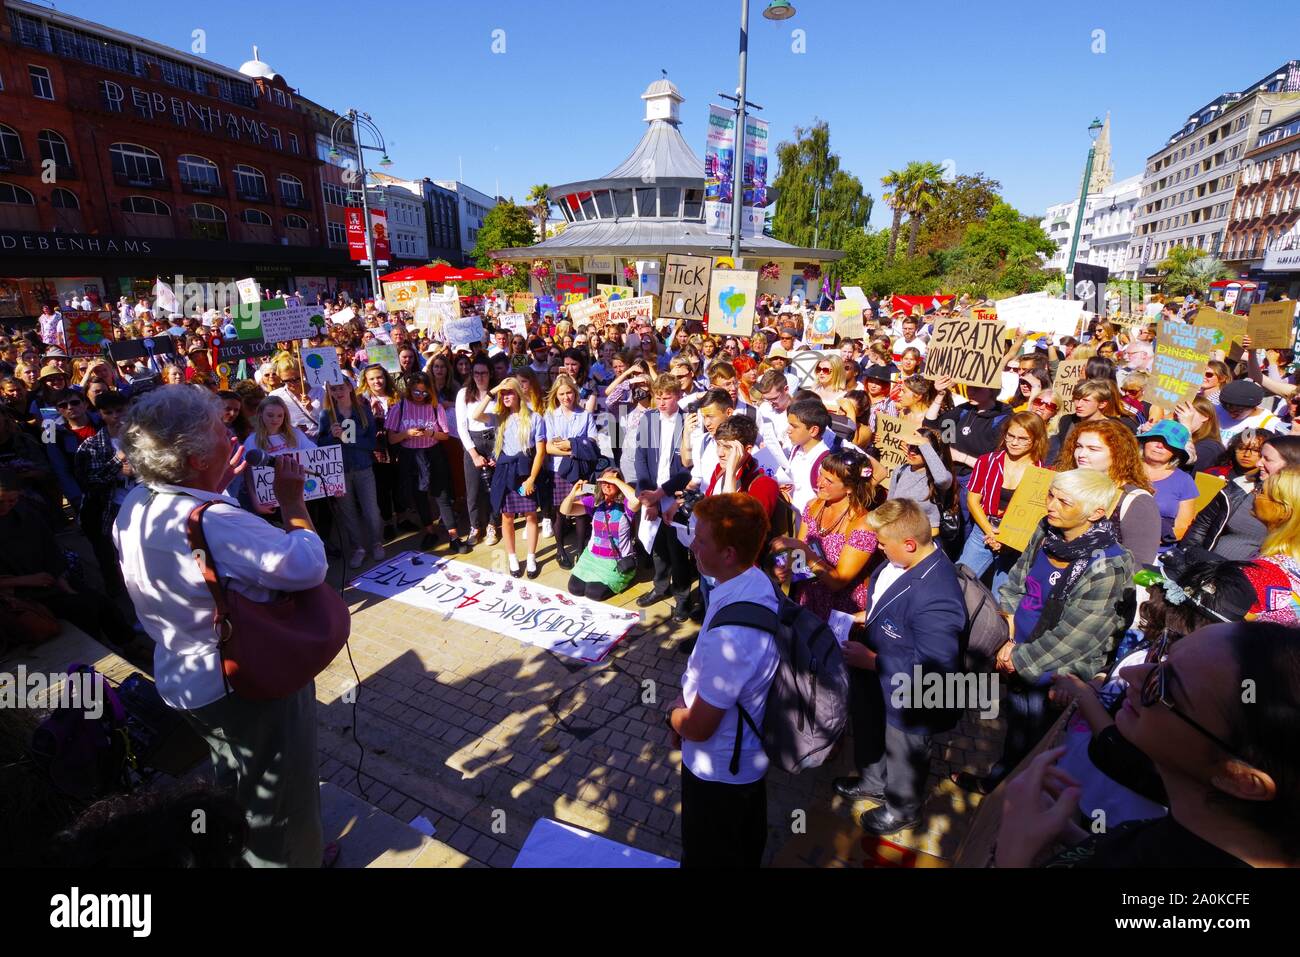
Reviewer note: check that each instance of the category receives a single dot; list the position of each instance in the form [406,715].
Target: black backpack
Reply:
[986,630]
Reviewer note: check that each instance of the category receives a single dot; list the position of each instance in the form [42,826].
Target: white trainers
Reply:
[491,538]
[357,559]
[377,553]
[547,531]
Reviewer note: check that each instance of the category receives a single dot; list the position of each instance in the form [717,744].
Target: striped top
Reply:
[409,415]
[986,481]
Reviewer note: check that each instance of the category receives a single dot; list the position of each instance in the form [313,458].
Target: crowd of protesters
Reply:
[729,469]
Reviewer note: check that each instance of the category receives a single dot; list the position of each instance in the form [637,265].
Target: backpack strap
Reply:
[746,614]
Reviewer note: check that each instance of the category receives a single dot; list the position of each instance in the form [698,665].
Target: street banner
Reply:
[590,312]
[356,233]
[475,597]
[647,272]
[87,332]
[276,322]
[404,295]
[324,465]
[320,367]
[612,292]
[719,169]
[384,354]
[636,309]
[972,351]
[1178,371]
[463,331]
[1068,374]
[379,234]
[848,318]
[821,330]
[1272,325]
[733,294]
[686,287]
[572,282]
[249,291]
[514,322]
[926,303]
[1027,508]
[893,435]
[754,181]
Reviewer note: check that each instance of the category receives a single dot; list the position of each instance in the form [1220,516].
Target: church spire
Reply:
[1103,174]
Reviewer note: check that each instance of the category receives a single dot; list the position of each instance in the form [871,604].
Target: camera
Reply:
[690,498]
[640,394]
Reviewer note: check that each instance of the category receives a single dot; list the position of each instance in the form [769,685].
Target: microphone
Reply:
[256,457]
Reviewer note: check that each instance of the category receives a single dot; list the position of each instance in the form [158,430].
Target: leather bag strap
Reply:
[203,556]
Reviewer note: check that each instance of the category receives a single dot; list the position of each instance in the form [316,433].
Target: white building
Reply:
[473,207]
[1106,231]
[408,231]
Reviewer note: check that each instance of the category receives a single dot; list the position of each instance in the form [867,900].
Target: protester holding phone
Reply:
[607,566]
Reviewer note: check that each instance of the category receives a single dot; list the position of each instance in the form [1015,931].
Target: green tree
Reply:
[963,201]
[896,187]
[817,200]
[866,264]
[923,184]
[506,226]
[999,254]
[541,207]
[1188,269]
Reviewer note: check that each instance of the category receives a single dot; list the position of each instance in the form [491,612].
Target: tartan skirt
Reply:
[562,489]
[516,504]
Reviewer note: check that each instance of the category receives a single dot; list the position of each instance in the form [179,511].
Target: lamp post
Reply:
[1094,130]
[775,10]
[362,121]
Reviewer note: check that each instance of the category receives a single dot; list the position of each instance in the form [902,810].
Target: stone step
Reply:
[369,837]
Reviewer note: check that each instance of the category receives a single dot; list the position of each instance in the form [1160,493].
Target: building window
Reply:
[146,205]
[275,139]
[337,234]
[294,221]
[279,97]
[42,88]
[11,144]
[1264,116]
[136,162]
[291,190]
[335,195]
[198,171]
[255,217]
[62,198]
[11,195]
[207,222]
[54,147]
[250,183]
[293,142]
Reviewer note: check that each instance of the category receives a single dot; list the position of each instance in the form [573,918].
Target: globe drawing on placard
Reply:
[91,333]
[824,322]
[309,486]
[315,360]
[732,302]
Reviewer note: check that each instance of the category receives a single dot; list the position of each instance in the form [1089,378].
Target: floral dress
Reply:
[814,595]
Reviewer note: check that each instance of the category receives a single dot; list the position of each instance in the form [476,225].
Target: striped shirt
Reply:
[411,415]
[986,481]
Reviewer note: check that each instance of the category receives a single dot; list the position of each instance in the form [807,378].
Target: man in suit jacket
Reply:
[659,476]
[915,618]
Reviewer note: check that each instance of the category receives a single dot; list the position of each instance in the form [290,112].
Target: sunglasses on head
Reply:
[68,404]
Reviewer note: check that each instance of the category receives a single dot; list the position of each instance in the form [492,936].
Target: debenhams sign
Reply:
[74,244]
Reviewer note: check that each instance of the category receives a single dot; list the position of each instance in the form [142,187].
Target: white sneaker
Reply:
[357,559]
[491,538]
[377,553]
[547,531]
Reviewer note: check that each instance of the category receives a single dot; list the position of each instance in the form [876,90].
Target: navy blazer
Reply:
[647,455]
[918,621]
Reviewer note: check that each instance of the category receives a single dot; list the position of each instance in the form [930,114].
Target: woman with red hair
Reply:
[747,376]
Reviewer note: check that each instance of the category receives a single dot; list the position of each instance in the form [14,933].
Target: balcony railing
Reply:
[295,202]
[18,167]
[252,196]
[202,188]
[141,180]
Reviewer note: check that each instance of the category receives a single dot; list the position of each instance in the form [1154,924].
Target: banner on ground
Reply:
[320,367]
[686,287]
[848,318]
[821,330]
[971,351]
[463,331]
[591,312]
[635,309]
[87,332]
[1068,374]
[326,462]
[1271,325]
[733,294]
[1178,371]
[249,291]
[384,354]
[1027,508]
[478,598]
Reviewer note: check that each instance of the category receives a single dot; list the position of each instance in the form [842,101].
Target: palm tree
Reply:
[1188,269]
[541,207]
[896,185]
[924,186]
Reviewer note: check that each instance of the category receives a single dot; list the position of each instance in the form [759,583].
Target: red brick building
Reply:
[122,160]
[1263,237]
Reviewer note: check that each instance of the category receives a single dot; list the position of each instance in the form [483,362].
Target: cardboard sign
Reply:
[821,330]
[463,331]
[591,312]
[848,318]
[612,292]
[523,302]
[320,366]
[1027,508]
[1271,325]
[87,333]
[1068,374]
[733,294]
[405,295]
[514,322]
[686,287]
[1207,486]
[893,435]
[384,354]
[249,291]
[1038,312]
[326,462]
[636,309]
[277,322]
[1178,370]
[972,351]
[1231,327]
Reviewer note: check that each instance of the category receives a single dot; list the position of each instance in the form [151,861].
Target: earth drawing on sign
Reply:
[732,301]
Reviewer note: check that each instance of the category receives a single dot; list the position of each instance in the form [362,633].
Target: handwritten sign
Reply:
[1271,325]
[249,291]
[636,309]
[686,287]
[592,312]
[821,330]
[1231,327]
[1068,374]
[1027,508]
[971,351]
[572,283]
[514,322]
[1179,367]
[281,323]
[733,294]
[343,316]
[87,333]
[405,295]
[848,318]
[893,435]
[384,354]
[547,306]
[1036,312]
[320,366]
[523,302]
[326,462]
[463,331]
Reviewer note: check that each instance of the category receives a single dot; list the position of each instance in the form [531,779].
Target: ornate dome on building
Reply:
[256,69]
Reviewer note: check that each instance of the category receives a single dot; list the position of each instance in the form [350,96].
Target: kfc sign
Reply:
[356,233]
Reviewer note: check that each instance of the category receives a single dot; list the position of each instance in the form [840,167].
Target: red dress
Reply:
[814,595]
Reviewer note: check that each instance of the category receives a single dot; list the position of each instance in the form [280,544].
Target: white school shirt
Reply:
[801,464]
[667,425]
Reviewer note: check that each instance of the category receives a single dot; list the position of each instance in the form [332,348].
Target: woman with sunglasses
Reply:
[829,379]
[1227,525]
[304,405]
[1276,573]
[415,426]
[1227,765]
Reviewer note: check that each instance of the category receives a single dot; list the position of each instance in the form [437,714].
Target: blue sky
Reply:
[1006,88]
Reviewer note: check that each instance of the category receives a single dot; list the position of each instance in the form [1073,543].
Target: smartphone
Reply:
[588,489]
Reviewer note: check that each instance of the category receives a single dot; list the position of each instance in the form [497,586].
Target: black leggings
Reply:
[387,491]
[439,485]
[593,590]
[576,540]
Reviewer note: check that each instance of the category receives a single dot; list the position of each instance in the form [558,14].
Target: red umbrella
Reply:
[402,275]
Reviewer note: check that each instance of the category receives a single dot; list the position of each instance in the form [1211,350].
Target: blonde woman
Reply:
[1276,573]
[520,454]
[273,433]
[304,405]
[830,379]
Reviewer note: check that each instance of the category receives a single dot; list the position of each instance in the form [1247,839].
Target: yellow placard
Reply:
[1027,508]
[1207,486]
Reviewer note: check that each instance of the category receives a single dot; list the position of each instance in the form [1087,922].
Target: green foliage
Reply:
[962,202]
[807,164]
[506,226]
[1187,269]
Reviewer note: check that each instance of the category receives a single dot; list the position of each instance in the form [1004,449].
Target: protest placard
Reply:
[972,352]
[1027,508]
[893,435]
[821,330]
[249,291]
[612,292]
[234,350]
[733,294]
[404,295]
[514,322]
[1152,310]
[278,322]
[463,331]
[324,465]
[848,318]
[686,287]
[87,332]
[1207,486]
[1178,371]
[571,297]
[523,302]
[1068,374]
[591,312]
[855,293]
[983,313]
[1033,312]
[547,306]
[320,366]
[636,309]
[343,316]
[647,272]
[572,283]
[384,354]
[1271,325]
[1231,327]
